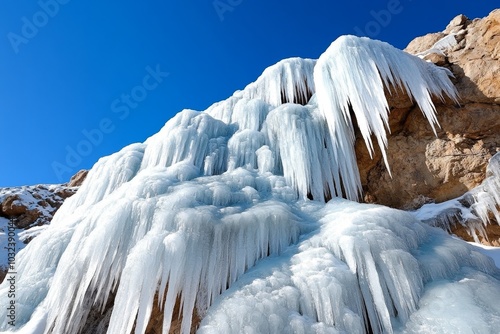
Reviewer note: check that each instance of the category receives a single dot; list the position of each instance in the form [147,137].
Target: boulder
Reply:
[77,179]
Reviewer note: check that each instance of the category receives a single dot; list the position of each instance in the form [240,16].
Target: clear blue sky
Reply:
[126,67]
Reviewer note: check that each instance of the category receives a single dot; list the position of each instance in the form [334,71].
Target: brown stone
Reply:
[155,324]
[27,219]
[423,43]
[12,206]
[98,322]
[40,204]
[77,179]
[458,23]
[437,59]
[3,273]
[64,193]
[492,234]
[444,165]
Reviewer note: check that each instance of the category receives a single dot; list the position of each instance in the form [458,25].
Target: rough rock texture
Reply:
[98,322]
[30,206]
[426,167]
[492,234]
[77,179]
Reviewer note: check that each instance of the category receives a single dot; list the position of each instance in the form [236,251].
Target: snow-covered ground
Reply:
[39,198]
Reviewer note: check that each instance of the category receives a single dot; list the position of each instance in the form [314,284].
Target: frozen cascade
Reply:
[351,76]
[486,198]
[365,264]
[289,81]
[336,90]
[189,137]
[214,213]
[309,164]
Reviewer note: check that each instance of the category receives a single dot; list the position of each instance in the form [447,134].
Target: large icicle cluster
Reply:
[221,199]
[348,80]
[351,77]
[365,266]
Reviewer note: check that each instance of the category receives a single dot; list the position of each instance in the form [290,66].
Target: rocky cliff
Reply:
[30,208]
[428,167]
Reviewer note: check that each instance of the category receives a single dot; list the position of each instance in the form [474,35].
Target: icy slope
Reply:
[188,214]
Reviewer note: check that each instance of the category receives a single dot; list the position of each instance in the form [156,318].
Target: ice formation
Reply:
[222,213]
[472,210]
[365,265]
[351,77]
[443,45]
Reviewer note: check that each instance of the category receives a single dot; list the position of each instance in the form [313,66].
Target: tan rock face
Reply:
[77,179]
[426,167]
[12,206]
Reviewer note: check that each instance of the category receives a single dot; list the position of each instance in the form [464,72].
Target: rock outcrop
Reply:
[30,206]
[77,179]
[428,167]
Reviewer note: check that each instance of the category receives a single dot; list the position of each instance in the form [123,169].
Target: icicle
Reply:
[351,76]
[242,147]
[486,198]
[308,165]
[366,269]
[190,137]
[250,114]
[290,80]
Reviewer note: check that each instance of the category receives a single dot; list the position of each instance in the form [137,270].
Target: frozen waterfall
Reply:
[222,213]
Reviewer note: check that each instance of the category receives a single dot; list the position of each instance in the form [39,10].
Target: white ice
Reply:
[364,264]
[351,77]
[443,45]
